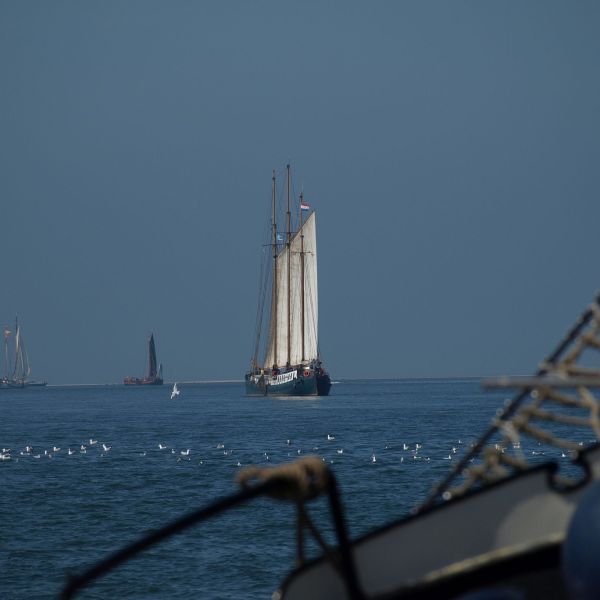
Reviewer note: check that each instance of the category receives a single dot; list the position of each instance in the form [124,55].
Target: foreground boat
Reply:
[496,527]
[18,375]
[154,376]
[291,365]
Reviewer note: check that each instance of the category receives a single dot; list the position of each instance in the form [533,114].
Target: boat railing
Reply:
[546,409]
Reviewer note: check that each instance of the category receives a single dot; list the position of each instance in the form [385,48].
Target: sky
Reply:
[450,150]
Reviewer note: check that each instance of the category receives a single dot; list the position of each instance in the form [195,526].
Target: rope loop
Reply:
[299,481]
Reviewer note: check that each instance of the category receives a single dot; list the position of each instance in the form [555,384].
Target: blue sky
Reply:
[451,151]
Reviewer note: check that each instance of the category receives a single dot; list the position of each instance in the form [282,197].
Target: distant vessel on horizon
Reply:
[16,374]
[154,376]
[292,365]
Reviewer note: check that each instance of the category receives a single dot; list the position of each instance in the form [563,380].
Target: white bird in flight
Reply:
[175,391]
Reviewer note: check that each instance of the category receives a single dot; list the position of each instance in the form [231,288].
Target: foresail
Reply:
[287,310]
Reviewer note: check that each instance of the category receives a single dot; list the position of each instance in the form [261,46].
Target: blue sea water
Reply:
[65,512]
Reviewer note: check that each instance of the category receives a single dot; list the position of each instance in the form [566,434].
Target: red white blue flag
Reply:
[304,206]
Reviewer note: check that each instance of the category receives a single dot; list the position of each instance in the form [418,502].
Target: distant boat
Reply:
[18,368]
[154,376]
[291,365]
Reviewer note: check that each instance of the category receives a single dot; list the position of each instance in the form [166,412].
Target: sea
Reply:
[110,464]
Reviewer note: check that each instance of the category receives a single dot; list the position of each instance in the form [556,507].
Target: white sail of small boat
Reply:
[18,375]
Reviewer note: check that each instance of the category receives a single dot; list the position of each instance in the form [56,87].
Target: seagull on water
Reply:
[71,452]
[106,448]
[161,447]
[373,459]
[92,442]
[330,437]
[340,451]
[185,452]
[175,391]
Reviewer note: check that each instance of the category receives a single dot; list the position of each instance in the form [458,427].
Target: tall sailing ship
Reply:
[291,365]
[18,369]
[154,376]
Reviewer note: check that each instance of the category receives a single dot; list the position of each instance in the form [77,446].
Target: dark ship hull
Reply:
[296,382]
[145,381]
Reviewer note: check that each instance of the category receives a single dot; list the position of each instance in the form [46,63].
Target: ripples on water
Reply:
[63,513]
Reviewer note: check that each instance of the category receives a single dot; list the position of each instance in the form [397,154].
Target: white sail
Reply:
[292,338]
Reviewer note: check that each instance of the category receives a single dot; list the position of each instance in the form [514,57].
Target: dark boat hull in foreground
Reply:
[296,382]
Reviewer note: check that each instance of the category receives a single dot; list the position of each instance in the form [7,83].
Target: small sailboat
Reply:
[18,375]
[291,365]
[154,376]
[175,391]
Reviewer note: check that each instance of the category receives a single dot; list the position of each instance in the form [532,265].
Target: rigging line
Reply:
[259,309]
[266,303]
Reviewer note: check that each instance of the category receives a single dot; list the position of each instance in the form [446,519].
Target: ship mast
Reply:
[302,273]
[274,286]
[289,271]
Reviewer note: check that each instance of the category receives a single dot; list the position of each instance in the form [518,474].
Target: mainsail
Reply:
[151,358]
[293,337]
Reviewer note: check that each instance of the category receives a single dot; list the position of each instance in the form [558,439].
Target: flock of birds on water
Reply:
[412,452]
[408,453]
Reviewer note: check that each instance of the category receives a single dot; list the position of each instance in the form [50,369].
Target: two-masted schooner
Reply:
[154,376]
[291,365]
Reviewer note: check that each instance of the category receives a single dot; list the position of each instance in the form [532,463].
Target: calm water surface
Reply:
[64,512]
